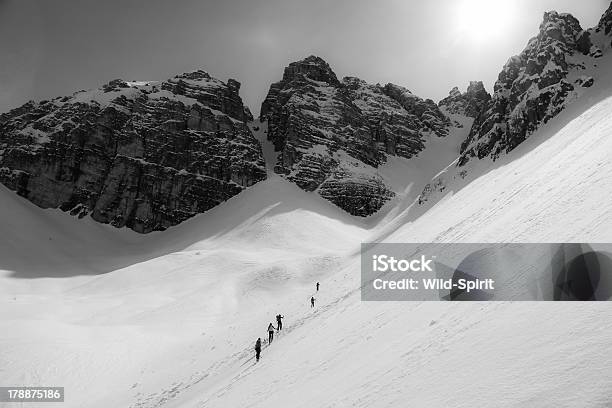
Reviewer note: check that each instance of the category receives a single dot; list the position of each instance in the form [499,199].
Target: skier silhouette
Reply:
[279,322]
[312,300]
[257,349]
[317,286]
[270,333]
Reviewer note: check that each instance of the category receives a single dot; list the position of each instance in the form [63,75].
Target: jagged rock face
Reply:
[143,155]
[605,24]
[215,94]
[426,110]
[332,135]
[470,103]
[532,88]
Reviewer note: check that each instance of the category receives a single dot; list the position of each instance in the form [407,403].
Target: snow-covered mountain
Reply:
[564,68]
[145,155]
[555,69]
[169,319]
[470,103]
[332,136]
[149,155]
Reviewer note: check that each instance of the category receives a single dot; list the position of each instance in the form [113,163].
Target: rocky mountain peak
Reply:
[564,29]
[197,75]
[605,23]
[470,103]
[454,93]
[209,91]
[312,67]
[115,85]
[533,87]
[306,72]
[142,155]
[476,89]
[332,136]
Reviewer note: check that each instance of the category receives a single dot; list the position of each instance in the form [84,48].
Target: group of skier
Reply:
[279,326]
[271,328]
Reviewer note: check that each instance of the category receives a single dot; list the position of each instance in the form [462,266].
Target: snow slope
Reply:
[169,319]
[169,312]
[349,353]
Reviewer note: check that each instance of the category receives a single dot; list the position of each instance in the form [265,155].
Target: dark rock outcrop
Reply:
[332,135]
[532,88]
[552,72]
[142,155]
[605,23]
[470,103]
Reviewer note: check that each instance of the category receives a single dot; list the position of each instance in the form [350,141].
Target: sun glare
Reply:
[483,20]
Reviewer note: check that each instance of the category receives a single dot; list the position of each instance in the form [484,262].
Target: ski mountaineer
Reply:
[257,349]
[312,299]
[317,286]
[270,333]
[279,322]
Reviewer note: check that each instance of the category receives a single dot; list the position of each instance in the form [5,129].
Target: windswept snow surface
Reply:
[170,319]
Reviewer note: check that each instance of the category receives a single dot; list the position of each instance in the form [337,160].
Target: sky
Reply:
[54,48]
